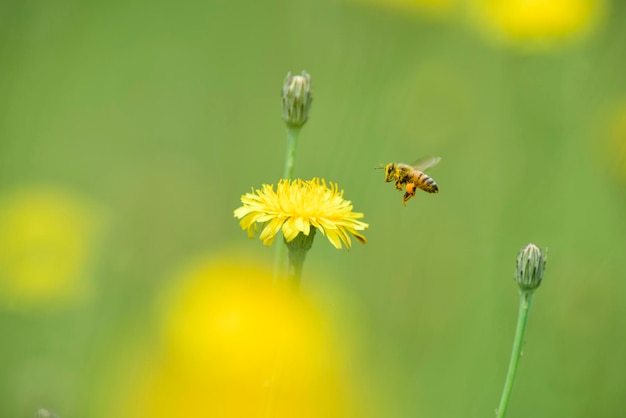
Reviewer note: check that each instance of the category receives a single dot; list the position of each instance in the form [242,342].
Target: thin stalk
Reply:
[526,297]
[293,134]
[297,253]
[298,248]
[292,144]
[272,389]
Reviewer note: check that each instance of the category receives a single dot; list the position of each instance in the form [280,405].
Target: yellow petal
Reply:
[334,238]
[242,211]
[269,232]
[344,237]
[303,225]
[290,231]
[359,237]
[247,221]
[252,230]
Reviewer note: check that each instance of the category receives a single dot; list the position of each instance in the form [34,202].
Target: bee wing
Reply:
[424,163]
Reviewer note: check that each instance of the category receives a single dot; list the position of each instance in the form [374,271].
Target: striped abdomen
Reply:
[425,182]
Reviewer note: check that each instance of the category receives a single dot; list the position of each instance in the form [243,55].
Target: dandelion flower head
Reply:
[295,207]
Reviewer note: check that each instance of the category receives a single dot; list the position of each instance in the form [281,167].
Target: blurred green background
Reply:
[129,131]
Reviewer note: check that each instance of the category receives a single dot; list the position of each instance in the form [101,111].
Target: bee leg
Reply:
[399,185]
[410,192]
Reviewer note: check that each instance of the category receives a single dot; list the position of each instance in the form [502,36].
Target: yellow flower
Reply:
[297,206]
[537,21]
[46,238]
[236,346]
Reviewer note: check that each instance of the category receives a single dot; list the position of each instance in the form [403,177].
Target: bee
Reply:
[412,176]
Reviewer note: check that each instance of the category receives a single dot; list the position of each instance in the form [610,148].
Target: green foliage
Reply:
[163,114]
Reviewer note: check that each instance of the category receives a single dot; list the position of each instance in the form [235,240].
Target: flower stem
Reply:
[526,297]
[293,134]
[272,389]
[292,143]
[298,248]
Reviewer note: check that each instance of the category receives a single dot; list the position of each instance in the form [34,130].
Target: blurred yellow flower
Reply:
[234,346]
[45,240]
[297,206]
[537,22]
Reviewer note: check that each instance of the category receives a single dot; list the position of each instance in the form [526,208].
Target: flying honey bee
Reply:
[412,176]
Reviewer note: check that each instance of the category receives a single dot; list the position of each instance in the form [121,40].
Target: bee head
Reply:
[389,170]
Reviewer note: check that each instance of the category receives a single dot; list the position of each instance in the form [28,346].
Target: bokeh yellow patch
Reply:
[536,23]
[46,241]
[235,345]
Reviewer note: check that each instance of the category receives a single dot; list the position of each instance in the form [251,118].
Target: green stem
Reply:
[292,144]
[298,248]
[297,253]
[526,297]
[272,389]
[279,262]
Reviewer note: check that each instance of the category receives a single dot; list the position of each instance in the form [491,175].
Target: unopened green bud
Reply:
[45,413]
[531,264]
[297,98]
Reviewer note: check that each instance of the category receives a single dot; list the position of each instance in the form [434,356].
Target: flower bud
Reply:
[297,98]
[530,266]
[45,413]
